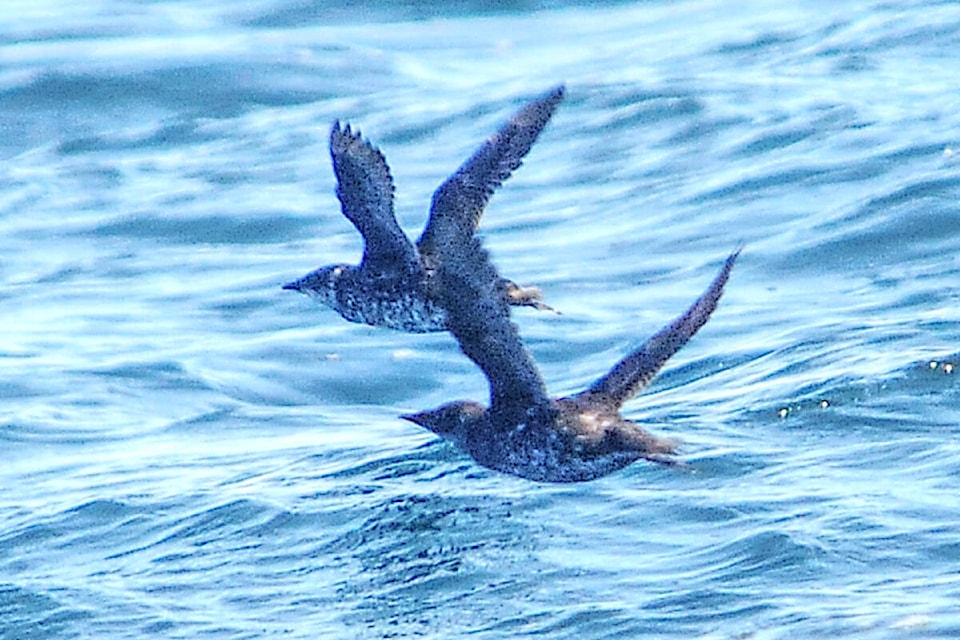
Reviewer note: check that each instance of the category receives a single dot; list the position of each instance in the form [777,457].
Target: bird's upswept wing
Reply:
[465,194]
[479,317]
[365,191]
[635,371]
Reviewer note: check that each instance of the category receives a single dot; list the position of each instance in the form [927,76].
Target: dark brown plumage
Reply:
[523,431]
[392,285]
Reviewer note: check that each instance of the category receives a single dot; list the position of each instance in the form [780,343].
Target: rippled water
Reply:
[189,451]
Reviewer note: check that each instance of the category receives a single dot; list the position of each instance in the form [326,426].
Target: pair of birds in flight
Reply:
[446,282]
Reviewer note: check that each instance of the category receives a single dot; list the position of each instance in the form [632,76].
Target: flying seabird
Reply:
[523,431]
[393,286]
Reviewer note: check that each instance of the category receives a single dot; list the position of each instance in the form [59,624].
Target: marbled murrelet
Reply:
[393,284]
[523,431]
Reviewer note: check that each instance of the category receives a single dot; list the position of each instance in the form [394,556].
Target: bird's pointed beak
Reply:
[293,286]
[415,418]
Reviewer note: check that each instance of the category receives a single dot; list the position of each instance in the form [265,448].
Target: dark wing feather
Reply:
[635,372]
[478,315]
[465,194]
[365,190]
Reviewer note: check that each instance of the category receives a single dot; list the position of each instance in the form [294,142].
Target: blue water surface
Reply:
[189,451]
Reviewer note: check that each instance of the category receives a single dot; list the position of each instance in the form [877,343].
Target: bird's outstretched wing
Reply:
[365,191]
[465,194]
[635,372]
[478,315]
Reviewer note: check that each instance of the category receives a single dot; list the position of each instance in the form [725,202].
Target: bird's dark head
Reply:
[321,284]
[449,421]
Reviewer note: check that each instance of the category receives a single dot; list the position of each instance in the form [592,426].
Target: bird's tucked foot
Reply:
[526,296]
